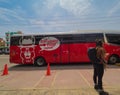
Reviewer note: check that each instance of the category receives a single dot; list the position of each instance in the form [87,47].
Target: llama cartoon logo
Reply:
[27,49]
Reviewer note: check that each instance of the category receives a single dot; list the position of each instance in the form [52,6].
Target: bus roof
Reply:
[72,32]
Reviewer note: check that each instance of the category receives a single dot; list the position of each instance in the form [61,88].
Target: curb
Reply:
[117,64]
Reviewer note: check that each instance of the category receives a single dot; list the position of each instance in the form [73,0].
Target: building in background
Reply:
[8,35]
[2,45]
[2,42]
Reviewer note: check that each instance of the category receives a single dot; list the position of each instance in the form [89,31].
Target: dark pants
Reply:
[98,75]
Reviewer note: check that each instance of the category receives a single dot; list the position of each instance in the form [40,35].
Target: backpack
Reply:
[92,54]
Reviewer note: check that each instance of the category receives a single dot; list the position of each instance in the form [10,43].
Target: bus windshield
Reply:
[113,38]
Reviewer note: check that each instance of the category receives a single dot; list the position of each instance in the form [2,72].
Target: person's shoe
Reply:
[100,89]
[96,87]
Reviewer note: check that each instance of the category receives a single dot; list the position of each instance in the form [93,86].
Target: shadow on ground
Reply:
[26,67]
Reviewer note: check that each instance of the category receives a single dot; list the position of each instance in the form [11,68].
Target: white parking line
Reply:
[39,81]
[85,79]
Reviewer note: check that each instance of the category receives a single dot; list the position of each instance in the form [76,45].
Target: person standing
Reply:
[99,66]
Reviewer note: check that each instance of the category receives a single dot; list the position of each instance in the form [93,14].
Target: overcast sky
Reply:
[39,16]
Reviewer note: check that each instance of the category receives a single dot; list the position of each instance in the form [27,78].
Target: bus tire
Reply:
[40,61]
[113,59]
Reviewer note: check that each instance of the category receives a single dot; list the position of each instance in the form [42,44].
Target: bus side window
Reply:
[37,39]
[79,38]
[93,37]
[14,41]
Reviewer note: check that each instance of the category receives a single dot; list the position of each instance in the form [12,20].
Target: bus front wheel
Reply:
[113,59]
[40,61]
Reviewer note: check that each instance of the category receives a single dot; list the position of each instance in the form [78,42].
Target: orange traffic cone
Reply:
[5,71]
[48,70]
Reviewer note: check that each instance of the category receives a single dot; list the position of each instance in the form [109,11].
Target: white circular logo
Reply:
[49,43]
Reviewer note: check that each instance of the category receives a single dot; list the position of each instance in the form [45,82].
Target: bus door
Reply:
[65,53]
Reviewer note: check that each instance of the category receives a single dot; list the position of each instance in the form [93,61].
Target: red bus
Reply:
[61,47]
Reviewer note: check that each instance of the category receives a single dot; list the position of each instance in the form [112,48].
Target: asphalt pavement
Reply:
[71,79]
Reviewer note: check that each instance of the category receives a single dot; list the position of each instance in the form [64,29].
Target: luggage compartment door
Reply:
[65,53]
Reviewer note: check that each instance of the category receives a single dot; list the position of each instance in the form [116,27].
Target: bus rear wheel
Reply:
[40,61]
[113,59]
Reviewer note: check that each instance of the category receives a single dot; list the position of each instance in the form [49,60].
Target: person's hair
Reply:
[99,43]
